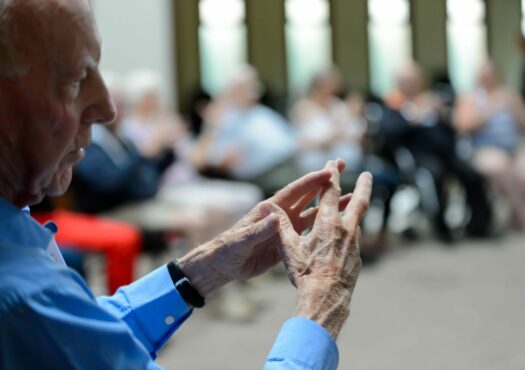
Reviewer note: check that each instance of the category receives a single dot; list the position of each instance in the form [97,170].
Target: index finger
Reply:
[311,182]
[290,194]
[358,205]
[329,202]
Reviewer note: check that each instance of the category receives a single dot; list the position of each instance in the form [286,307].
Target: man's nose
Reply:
[101,110]
[108,113]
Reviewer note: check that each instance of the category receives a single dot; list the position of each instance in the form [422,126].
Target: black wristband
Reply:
[184,287]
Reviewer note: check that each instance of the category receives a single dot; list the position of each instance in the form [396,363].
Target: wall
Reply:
[350,22]
[137,34]
[266,46]
[141,33]
[429,20]
[504,19]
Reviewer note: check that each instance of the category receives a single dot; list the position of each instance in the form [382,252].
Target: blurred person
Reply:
[181,186]
[493,116]
[52,93]
[244,140]
[199,102]
[117,181]
[164,138]
[326,127]
[152,128]
[425,131]
[380,163]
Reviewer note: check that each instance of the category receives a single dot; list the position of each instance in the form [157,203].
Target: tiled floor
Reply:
[423,307]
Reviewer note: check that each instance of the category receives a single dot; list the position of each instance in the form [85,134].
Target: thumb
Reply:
[260,211]
[287,233]
[285,224]
[251,235]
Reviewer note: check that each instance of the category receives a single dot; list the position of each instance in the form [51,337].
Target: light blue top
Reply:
[260,137]
[49,319]
[500,130]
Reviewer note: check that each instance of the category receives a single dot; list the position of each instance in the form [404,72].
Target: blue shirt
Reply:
[49,319]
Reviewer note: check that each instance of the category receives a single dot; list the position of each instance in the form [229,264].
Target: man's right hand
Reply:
[252,246]
[325,263]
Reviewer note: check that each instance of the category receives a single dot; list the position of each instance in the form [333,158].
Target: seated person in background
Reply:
[117,181]
[180,185]
[493,117]
[425,132]
[199,102]
[242,139]
[150,126]
[52,93]
[326,127]
[377,160]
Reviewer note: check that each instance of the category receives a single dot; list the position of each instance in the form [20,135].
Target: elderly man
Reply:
[51,93]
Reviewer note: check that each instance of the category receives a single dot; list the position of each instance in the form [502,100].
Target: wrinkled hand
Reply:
[252,246]
[293,199]
[325,263]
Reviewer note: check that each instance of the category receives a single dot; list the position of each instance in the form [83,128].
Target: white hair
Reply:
[247,77]
[142,82]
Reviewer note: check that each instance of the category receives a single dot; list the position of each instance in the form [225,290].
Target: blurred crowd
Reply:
[444,166]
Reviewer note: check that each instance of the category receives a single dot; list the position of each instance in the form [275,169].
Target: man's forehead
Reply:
[79,5]
[63,28]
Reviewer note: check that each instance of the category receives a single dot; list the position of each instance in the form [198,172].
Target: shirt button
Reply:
[169,320]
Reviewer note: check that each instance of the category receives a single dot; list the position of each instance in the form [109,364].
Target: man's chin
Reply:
[27,199]
[59,184]
[53,187]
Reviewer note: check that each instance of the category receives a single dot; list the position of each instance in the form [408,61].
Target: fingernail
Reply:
[370,176]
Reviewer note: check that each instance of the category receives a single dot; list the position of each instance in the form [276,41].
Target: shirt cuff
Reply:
[303,344]
[152,308]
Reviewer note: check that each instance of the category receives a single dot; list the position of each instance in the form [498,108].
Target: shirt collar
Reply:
[17,227]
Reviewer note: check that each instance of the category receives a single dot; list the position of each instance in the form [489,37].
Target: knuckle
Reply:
[362,205]
[358,263]
[263,206]
[334,220]
[222,241]
[336,190]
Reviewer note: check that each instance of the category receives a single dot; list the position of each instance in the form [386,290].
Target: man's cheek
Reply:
[64,127]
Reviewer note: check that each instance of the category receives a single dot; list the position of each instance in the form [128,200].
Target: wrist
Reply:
[187,291]
[325,302]
[197,265]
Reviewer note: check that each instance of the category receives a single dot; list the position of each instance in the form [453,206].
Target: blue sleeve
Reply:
[303,344]
[151,307]
[66,329]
